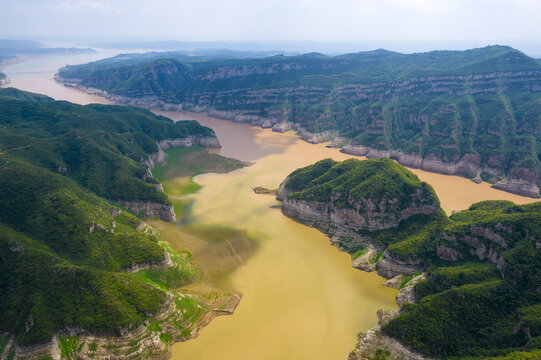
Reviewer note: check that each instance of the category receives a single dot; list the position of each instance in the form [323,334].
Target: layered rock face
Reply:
[361,214]
[354,199]
[470,113]
[165,212]
[150,210]
[469,165]
[194,140]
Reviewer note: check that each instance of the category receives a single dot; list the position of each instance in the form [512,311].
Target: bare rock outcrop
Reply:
[373,344]
[150,210]
[349,220]
[389,266]
[518,186]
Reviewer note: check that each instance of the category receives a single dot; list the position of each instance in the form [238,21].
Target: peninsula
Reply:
[470,282]
[82,275]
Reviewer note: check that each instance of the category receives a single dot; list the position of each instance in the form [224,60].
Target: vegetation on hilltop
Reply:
[379,190]
[472,307]
[482,295]
[65,249]
[354,179]
[440,105]
[101,147]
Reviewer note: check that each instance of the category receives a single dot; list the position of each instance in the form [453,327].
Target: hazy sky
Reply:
[319,20]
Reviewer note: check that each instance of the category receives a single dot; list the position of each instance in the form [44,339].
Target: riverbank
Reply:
[469,166]
[301,297]
[173,323]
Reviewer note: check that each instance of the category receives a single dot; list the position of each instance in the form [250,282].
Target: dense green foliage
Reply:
[354,180]
[55,273]
[441,105]
[379,186]
[100,147]
[474,307]
[482,294]
[63,248]
[308,69]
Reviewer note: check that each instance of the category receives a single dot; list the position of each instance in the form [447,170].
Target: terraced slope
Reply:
[67,252]
[473,113]
[481,291]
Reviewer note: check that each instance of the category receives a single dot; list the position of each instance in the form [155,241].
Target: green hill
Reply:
[471,113]
[101,147]
[472,308]
[65,248]
[481,296]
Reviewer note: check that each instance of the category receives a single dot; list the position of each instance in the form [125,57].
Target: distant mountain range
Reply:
[12,48]
[474,113]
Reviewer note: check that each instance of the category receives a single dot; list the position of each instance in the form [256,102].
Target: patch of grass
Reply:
[382,354]
[182,164]
[189,306]
[68,347]
[154,327]
[408,279]
[132,349]
[3,342]
[182,273]
[93,346]
[376,259]
[358,253]
[166,338]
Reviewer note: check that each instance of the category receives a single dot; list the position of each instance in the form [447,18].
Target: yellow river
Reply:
[301,297]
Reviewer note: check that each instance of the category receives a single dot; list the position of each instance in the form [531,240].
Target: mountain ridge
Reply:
[472,113]
[470,283]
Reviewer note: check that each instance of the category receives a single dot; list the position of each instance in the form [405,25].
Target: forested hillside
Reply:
[473,113]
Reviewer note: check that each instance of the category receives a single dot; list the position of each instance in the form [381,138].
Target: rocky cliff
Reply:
[354,201]
[472,113]
[482,264]
[520,180]
[165,212]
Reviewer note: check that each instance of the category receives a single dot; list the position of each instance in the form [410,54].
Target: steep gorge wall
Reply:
[352,223]
[436,122]
[165,212]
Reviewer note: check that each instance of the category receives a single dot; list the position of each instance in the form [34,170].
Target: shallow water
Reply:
[302,299]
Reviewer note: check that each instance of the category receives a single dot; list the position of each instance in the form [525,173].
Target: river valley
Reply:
[301,297]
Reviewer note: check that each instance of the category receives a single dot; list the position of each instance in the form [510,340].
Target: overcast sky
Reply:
[495,21]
